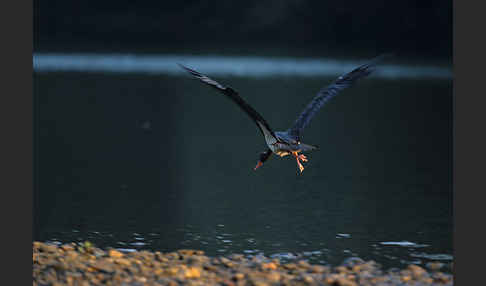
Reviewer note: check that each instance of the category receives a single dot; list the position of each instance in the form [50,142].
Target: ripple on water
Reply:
[54,241]
[223,243]
[432,256]
[250,251]
[407,262]
[284,255]
[138,243]
[404,244]
[312,253]
[343,235]
[126,250]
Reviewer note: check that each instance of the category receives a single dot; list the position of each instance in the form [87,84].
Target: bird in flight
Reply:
[288,142]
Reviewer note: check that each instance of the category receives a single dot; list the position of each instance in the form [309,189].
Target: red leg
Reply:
[297,157]
[303,158]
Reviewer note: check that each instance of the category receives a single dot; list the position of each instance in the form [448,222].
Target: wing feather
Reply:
[234,96]
[328,92]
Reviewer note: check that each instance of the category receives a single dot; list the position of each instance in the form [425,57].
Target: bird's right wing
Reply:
[329,92]
[233,95]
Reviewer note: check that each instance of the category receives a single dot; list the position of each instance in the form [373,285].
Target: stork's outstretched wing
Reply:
[233,95]
[329,92]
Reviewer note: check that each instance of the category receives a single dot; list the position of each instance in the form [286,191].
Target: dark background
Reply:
[411,28]
[384,171]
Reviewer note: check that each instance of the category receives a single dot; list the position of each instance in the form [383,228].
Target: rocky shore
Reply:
[84,264]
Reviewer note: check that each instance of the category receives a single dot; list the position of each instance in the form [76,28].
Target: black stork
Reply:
[288,142]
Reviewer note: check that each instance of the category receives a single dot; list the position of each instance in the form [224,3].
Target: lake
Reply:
[135,154]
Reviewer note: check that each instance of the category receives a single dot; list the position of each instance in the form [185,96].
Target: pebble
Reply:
[70,264]
[434,266]
[67,247]
[48,248]
[441,277]
[417,271]
[308,279]
[269,265]
[352,261]
[406,278]
[273,277]
[115,253]
[290,266]
[342,269]
[319,269]
[239,276]
[192,272]
[123,262]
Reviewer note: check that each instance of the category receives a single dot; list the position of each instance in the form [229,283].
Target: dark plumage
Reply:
[288,142]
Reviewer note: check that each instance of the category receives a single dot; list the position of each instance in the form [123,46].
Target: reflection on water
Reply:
[445,257]
[222,65]
[137,161]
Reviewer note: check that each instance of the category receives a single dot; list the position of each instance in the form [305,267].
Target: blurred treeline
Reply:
[413,27]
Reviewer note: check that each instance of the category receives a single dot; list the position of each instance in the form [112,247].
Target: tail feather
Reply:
[307,147]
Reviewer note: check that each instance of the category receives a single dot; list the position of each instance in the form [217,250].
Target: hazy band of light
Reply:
[221,65]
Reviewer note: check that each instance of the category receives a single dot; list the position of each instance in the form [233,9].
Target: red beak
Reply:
[259,164]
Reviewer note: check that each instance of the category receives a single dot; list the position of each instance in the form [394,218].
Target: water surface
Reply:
[249,66]
[158,161]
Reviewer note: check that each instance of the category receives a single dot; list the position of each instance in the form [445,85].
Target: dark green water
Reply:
[163,162]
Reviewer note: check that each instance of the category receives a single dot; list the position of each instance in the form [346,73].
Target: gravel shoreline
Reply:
[84,264]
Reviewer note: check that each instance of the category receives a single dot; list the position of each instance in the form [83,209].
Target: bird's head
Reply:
[263,157]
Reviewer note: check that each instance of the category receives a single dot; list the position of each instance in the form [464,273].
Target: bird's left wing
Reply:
[344,81]
[233,95]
